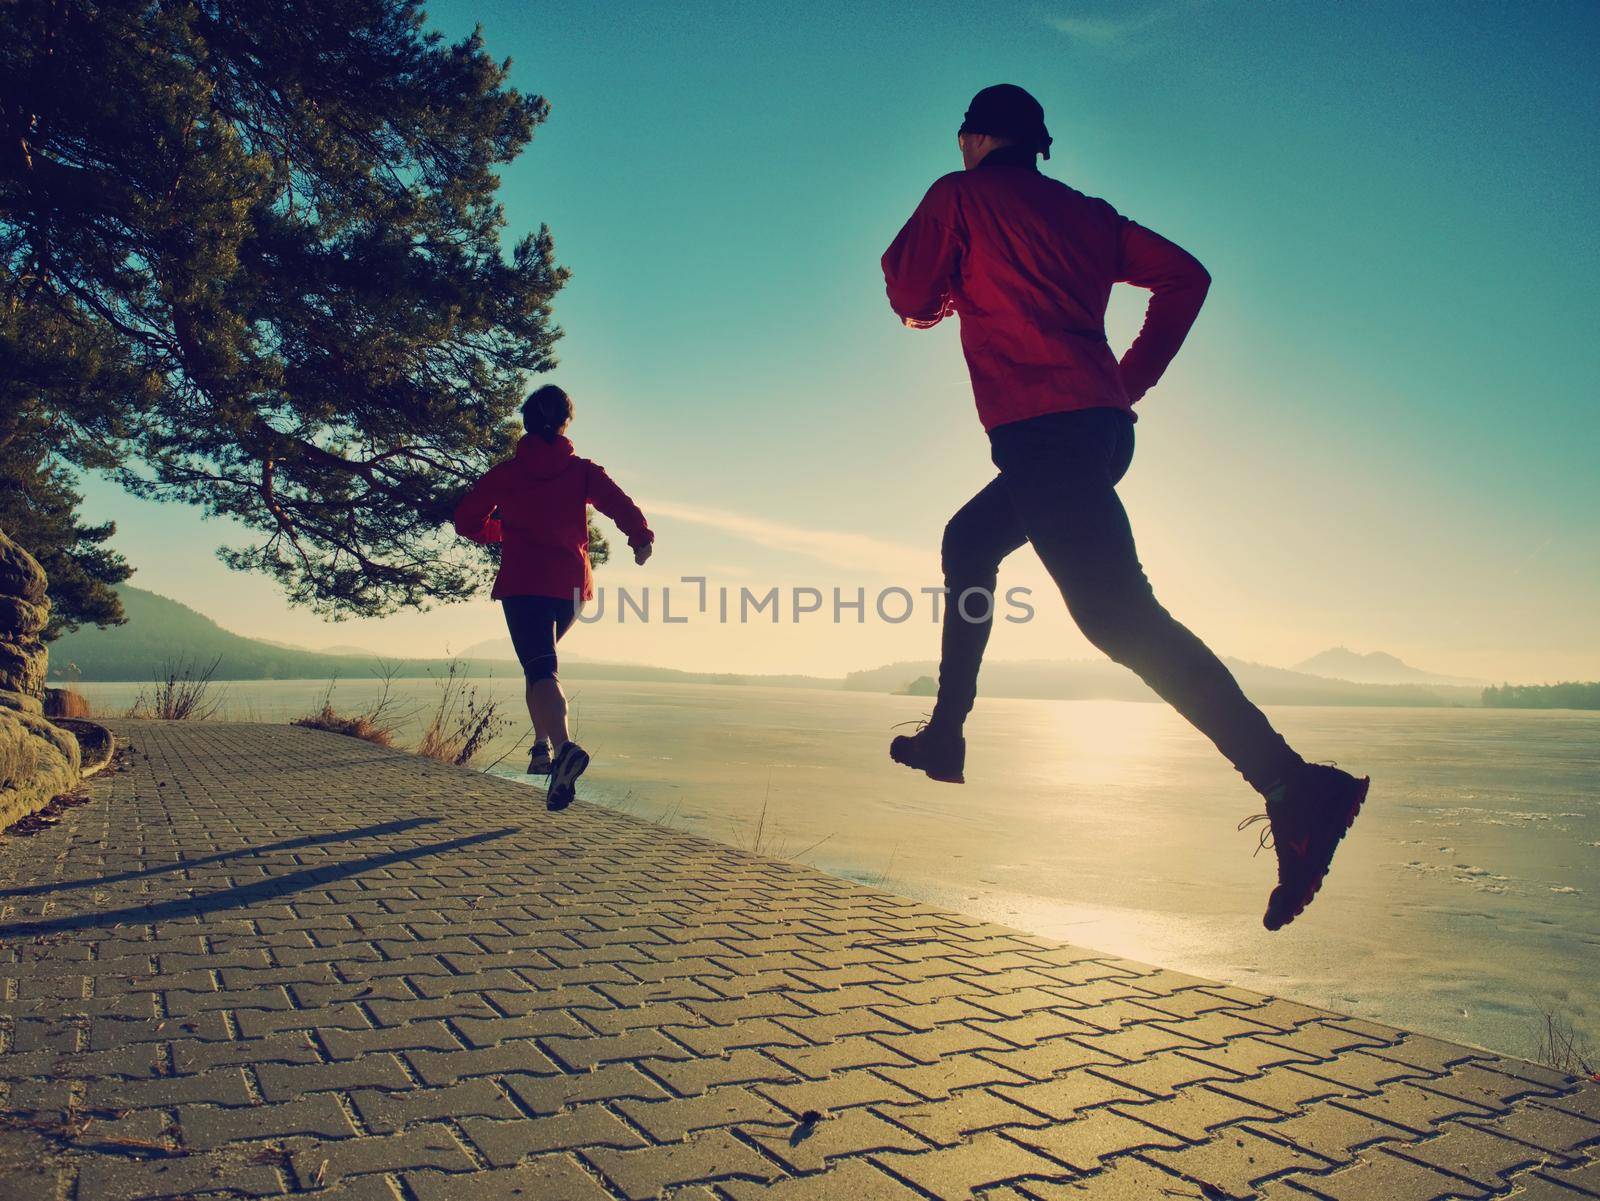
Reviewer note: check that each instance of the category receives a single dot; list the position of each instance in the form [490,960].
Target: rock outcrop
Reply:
[38,761]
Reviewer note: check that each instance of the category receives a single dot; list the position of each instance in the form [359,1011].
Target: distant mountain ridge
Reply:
[1099,679]
[1374,667]
[160,631]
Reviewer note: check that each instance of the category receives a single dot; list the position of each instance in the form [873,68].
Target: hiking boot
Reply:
[569,764]
[539,759]
[1306,823]
[928,749]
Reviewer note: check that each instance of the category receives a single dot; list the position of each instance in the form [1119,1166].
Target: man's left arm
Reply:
[920,266]
[1178,284]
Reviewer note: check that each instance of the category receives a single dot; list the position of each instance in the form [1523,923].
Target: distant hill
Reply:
[161,631]
[1104,680]
[1572,694]
[1374,667]
[492,648]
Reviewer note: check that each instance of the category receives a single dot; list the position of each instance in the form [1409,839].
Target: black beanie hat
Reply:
[1007,111]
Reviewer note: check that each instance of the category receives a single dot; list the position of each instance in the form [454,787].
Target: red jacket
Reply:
[1028,263]
[536,505]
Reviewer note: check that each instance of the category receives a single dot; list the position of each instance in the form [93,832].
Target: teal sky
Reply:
[1383,431]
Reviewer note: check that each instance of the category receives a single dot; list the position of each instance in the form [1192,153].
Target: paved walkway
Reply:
[267,961]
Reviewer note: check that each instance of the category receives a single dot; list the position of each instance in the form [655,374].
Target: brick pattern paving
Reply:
[269,961]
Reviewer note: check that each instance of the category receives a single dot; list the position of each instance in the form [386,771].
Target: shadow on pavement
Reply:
[244,894]
[290,844]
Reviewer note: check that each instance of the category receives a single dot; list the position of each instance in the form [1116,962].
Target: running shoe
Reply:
[1305,826]
[927,749]
[570,762]
[539,759]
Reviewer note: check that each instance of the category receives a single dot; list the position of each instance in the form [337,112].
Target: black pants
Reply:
[1057,490]
[536,624]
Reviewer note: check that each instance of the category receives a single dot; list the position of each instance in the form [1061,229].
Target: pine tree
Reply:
[252,259]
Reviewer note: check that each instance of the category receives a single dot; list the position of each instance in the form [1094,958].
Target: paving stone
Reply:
[318,1163]
[206,1127]
[668,1121]
[1543,1126]
[1247,1056]
[1093,1136]
[1127,1179]
[258,1023]
[1432,1054]
[1481,1156]
[1379,1176]
[1583,1178]
[1332,1131]
[1065,1095]
[1490,1089]
[548,1178]
[930,1046]
[691,1077]
[1417,1109]
[385,1112]
[1030,1029]
[710,1155]
[226,1086]
[1194,1112]
[1048,1059]
[980,1162]
[1163,1075]
[190,1056]
[549,1094]
[283,1082]
[1231,1164]
[1535,1186]
[633,1045]
[854,1179]
[1583,1101]
[352,1044]
[107,1178]
[958,1072]
[446,1067]
[830,1096]
[1361,1072]
[588,1126]
[815,1063]
[719,1040]
[947,1122]
[1022,1001]
[811,1146]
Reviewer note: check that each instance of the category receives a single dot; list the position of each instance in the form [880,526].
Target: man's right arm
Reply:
[1178,283]
[920,265]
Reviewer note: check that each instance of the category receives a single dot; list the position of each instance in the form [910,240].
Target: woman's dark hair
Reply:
[546,412]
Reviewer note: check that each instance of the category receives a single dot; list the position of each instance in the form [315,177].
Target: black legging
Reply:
[1057,489]
[536,624]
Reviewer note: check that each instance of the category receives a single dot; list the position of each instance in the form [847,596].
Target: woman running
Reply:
[536,505]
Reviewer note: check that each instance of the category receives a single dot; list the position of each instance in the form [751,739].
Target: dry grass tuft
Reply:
[66,702]
[375,724]
[462,724]
[181,692]
[1563,1047]
[352,725]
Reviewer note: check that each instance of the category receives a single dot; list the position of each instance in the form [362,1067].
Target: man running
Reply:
[1028,264]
